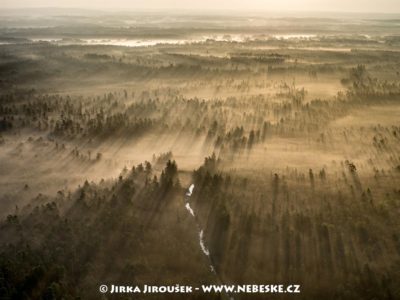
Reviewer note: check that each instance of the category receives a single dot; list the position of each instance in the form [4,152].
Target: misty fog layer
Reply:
[287,128]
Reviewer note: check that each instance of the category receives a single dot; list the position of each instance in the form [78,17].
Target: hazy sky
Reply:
[378,6]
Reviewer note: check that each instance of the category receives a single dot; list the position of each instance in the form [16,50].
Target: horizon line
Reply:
[239,11]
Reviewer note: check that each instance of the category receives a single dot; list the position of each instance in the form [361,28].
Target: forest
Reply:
[199,150]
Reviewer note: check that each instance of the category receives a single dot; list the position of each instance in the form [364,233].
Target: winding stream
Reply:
[202,244]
